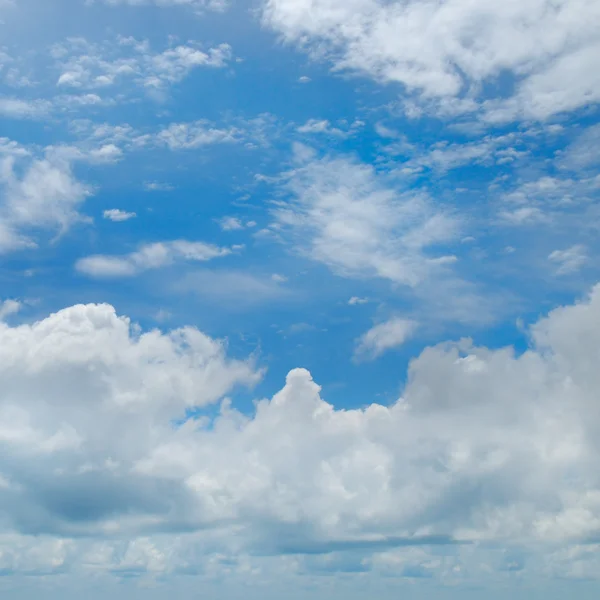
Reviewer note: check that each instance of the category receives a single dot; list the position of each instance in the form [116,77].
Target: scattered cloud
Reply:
[569,260]
[323,126]
[356,300]
[231,224]
[384,337]
[149,256]
[17,108]
[115,214]
[189,136]
[344,214]
[546,48]
[84,65]
[158,186]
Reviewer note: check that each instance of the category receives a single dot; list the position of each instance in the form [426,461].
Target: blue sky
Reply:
[299,296]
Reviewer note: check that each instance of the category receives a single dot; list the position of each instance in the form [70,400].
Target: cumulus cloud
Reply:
[37,193]
[118,215]
[148,256]
[383,337]
[483,446]
[97,381]
[444,54]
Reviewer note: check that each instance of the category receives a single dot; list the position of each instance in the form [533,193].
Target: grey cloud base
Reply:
[484,448]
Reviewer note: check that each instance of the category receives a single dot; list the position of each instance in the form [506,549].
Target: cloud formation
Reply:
[384,336]
[148,256]
[483,446]
[344,214]
[448,56]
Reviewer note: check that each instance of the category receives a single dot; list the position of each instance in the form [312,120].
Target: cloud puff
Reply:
[383,337]
[149,256]
[9,307]
[37,193]
[483,445]
[444,54]
[118,215]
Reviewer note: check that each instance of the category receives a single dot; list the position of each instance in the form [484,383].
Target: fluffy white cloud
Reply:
[37,193]
[383,337]
[484,445]
[9,307]
[149,256]
[118,215]
[445,53]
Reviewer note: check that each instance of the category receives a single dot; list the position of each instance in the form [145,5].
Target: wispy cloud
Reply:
[569,260]
[149,256]
[342,213]
[383,337]
[84,65]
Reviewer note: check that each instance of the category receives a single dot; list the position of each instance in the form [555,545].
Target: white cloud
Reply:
[9,307]
[188,136]
[569,260]
[342,213]
[443,156]
[40,193]
[484,445]
[85,65]
[231,224]
[320,126]
[17,108]
[356,300]
[157,186]
[383,337]
[444,54]
[149,256]
[115,214]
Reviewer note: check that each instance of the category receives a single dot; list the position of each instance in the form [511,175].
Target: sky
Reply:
[299,298]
